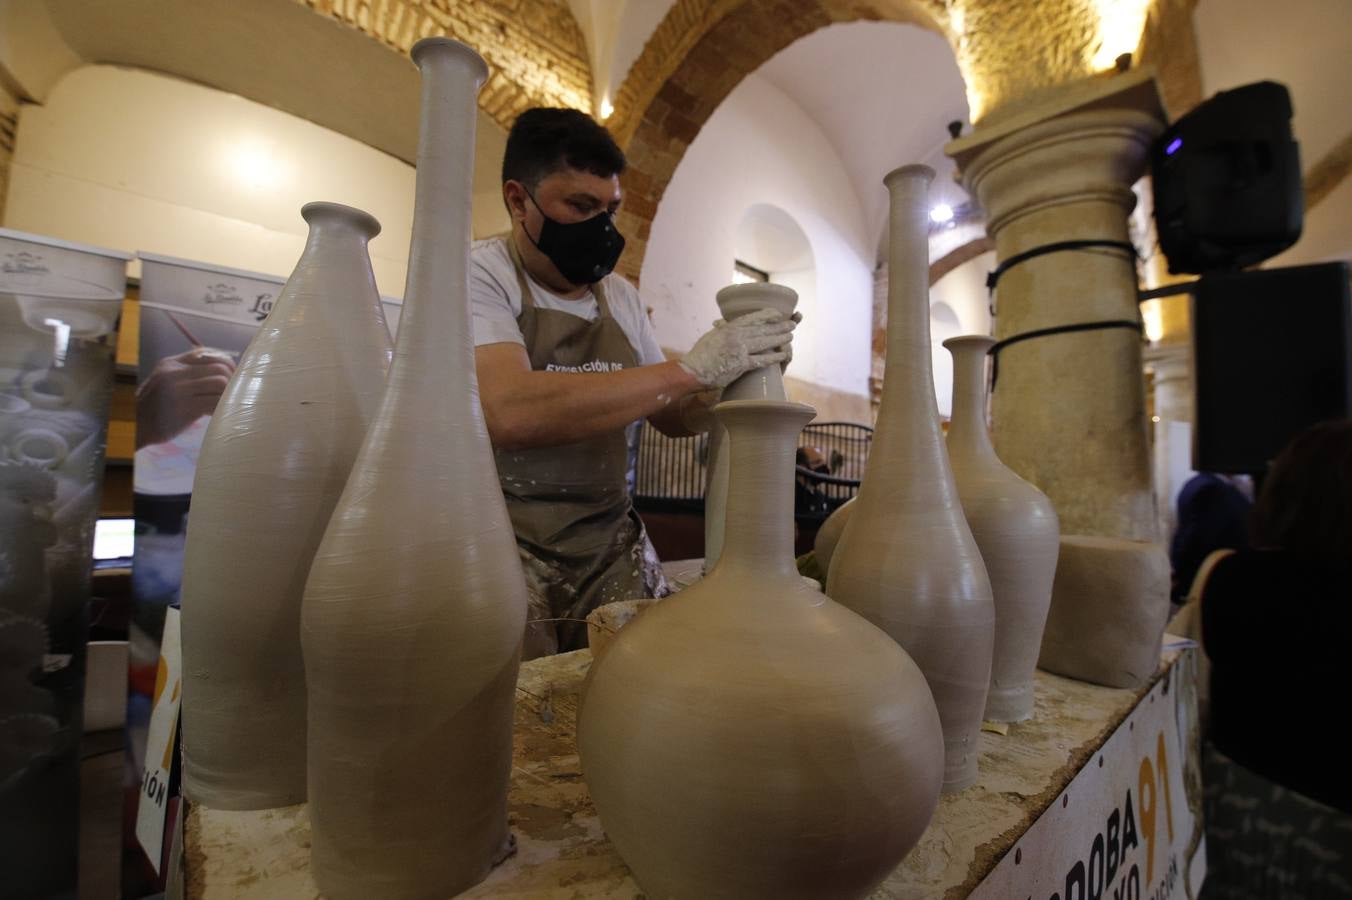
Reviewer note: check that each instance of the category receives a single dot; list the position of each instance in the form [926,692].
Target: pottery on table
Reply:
[276,456]
[416,604]
[748,737]
[1015,528]
[765,383]
[828,535]
[907,561]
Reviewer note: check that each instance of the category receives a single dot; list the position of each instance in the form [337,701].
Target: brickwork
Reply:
[694,59]
[534,48]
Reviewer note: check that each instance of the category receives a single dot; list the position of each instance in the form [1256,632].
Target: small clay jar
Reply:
[747,737]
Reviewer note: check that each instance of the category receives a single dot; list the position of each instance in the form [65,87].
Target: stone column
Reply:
[1069,409]
[1171,366]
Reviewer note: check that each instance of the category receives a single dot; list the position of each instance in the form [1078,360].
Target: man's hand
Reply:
[734,348]
[180,390]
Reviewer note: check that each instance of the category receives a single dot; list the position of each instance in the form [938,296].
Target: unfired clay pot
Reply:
[276,456]
[765,383]
[907,561]
[1110,603]
[1015,528]
[416,604]
[747,737]
[828,536]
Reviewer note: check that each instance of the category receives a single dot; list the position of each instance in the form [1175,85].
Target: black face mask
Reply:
[583,252]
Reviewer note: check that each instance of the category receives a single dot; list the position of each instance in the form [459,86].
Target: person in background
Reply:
[1275,622]
[1213,514]
[567,359]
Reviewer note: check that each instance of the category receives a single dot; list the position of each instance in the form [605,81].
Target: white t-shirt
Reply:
[495,300]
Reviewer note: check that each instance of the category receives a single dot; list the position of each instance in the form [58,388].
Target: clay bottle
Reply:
[274,461]
[906,560]
[747,737]
[1015,528]
[828,536]
[416,604]
[765,383]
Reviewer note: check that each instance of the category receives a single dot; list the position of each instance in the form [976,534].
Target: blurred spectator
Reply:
[1213,514]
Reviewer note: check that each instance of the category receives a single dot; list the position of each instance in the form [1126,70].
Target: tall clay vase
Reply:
[748,738]
[906,560]
[276,456]
[765,383]
[416,603]
[1015,528]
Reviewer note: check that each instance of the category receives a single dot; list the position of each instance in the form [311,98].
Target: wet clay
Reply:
[906,560]
[747,737]
[1015,528]
[765,383]
[416,605]
[1110,602]
[273,464]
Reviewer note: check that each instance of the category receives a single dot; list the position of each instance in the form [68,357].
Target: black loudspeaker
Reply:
[1272,354]
[1227,181]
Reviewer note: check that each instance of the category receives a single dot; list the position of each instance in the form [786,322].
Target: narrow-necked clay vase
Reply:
[765,383]
[416,603]
[1015,528]
[273,464]
[747,737]
[906,560]
[824,545]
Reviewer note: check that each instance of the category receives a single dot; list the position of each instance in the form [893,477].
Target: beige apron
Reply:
[581,542]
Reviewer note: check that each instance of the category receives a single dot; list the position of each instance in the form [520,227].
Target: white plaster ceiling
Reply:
[615,32]
[884,93]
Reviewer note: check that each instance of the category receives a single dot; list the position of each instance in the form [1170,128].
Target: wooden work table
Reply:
[1082,741]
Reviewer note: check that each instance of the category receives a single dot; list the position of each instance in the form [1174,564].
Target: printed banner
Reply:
[1126,827]
[162,739]
[59,306]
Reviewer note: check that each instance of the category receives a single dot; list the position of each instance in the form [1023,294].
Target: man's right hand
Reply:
[734,348]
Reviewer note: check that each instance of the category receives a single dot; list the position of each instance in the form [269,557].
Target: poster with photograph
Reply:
[59,307]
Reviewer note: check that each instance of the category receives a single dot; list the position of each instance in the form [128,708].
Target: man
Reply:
[567,359]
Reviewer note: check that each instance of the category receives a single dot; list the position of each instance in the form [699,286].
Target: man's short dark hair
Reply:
[544,140]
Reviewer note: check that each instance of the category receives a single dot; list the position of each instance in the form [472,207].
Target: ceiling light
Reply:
[941,213]
[606,108]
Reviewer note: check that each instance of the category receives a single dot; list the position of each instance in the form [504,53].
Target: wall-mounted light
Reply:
[1121,23]
[941,214]
[253,163]
[1152,317]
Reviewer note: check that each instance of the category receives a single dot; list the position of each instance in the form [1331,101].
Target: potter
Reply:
[567,359]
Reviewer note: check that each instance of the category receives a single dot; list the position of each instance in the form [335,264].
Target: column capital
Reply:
[1088,141]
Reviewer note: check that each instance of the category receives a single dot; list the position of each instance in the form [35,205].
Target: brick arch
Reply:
[698,54]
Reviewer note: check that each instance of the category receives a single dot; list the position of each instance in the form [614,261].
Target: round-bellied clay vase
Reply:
[748,737]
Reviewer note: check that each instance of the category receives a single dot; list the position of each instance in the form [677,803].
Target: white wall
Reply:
[963,290]
[760,147]
[135,160]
